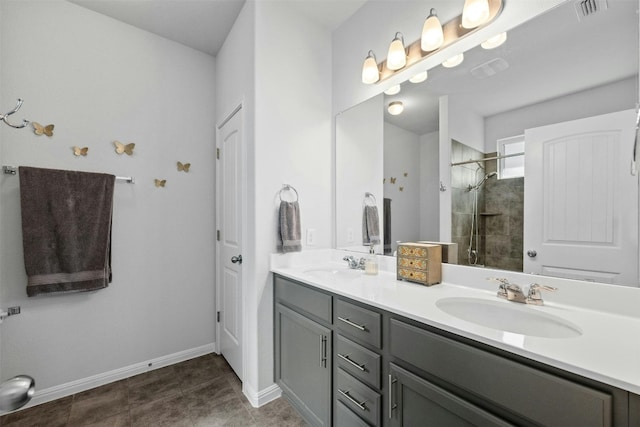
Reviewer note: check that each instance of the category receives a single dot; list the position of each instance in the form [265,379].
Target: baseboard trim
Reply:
[83,384]
[262,397]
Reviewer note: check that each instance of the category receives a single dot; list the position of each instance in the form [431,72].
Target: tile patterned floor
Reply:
[201,392]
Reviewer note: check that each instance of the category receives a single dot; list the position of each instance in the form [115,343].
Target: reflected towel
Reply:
[370,226]
[66,229]
[289,229]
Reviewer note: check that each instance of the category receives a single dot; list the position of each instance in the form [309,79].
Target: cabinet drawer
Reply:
[346,418]
[527,393]
[358,323]
[415,263]
[358,361]
[362,400]
[303,299]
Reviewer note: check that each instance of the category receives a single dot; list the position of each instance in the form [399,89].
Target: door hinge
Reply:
[218,235]
[218,153]
[218,317]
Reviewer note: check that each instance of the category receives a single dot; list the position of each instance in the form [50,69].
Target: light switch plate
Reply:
[311,236]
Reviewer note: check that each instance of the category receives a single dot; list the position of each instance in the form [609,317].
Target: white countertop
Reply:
[608,350]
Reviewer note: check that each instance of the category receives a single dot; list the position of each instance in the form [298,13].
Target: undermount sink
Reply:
[331,273]
[509,316]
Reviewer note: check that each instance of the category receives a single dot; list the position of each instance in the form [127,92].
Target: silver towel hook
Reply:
[3,117]
[287,187]
[368,195]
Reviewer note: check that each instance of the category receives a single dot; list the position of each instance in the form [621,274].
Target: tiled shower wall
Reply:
[501,207]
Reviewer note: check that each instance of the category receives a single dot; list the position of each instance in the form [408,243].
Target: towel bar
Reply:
[12,170]
[287,187]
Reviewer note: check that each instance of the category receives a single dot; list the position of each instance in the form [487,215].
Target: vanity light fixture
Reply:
[395,108]
[370,71]
[393,90]
[435,36]
[419,78]
[454,61]
[432,34]
[397,55]
[495,41]
[475,13]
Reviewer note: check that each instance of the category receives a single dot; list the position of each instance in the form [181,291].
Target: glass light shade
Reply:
[454,61]
[370,72]
[419,78]
[475,13]
[397,56]
[494,41]
[432,35]
[395,108]
[393,90]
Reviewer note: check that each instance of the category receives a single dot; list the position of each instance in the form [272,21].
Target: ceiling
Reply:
[550,56]
[204,24]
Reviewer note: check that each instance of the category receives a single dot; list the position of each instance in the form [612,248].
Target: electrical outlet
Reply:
[349,235]
[311,236]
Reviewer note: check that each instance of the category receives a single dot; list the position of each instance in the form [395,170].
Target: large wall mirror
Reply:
[563,89]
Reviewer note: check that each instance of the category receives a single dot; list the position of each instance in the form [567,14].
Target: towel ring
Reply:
[287,187]
[367,196]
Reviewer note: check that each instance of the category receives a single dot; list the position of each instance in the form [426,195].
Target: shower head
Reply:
[479,183]
[491,175]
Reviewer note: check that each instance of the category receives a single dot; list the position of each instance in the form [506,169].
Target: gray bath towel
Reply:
[370,226]
[66,229]
[289,229]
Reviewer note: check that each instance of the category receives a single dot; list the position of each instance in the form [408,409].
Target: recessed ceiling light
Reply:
[419,78]
[395,108]
[494,41]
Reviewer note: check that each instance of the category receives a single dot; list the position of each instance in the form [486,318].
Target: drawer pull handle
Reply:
[351,362]
[352,400]
[350,323]
[323,351]
[392,406]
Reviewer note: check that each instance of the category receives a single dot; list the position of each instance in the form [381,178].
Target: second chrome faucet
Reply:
[513,292]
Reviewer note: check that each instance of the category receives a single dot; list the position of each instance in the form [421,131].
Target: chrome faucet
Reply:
[353,263]
[513,292]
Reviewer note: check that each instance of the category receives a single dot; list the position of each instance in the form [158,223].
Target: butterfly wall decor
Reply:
[124,148]
[80,151]
[38,129]
[183,167]
[160,182]
[393,180]
[401,188]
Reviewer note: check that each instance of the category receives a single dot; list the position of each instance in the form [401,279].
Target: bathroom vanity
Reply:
[353,350]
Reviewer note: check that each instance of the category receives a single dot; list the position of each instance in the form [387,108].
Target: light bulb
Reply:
[419,78]
[396,57]
[432,35]
[494,41]
[454,61]
[475,13]
[393,90]
[395,108]
[370,72]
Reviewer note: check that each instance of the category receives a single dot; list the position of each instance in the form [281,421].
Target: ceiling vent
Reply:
[585,8]
[489,68]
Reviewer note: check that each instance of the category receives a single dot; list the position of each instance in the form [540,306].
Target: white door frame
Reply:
[238,109]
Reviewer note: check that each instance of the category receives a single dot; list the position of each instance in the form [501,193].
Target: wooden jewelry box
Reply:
[419,263]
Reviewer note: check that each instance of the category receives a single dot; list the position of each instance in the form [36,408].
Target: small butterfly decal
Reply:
[40,130]
[406,174]
[401,188]
[183,167]
[393,180]
[384,180]
[122,148]
[77,151]
[160,183]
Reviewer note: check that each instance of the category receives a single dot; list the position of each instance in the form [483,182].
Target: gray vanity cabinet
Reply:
[414,401]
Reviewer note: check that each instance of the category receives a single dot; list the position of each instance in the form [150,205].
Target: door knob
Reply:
[236,259]
[531,253]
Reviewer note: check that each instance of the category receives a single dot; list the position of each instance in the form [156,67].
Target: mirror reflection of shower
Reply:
[474,236]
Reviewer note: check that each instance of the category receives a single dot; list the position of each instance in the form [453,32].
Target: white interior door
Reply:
[581,201]
[230,214]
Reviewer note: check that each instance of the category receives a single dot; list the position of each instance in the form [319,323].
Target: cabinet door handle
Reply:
[351,362]
[352,400]
[323,351]
[392,406]
[350,323]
